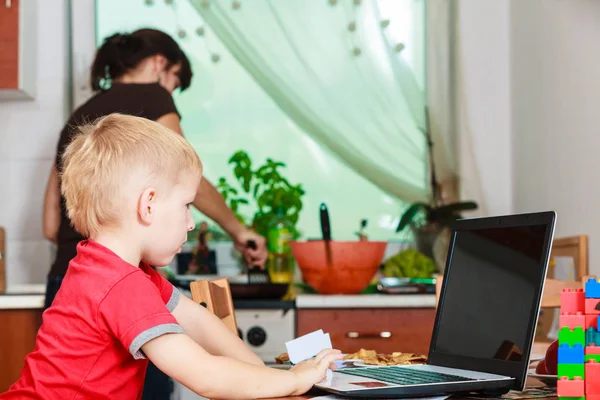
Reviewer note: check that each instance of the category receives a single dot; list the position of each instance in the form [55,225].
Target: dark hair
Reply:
[122,52]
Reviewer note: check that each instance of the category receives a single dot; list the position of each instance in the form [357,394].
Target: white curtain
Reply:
[366,108]
[441,87]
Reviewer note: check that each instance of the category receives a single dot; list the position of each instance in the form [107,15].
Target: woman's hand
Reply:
[256,256]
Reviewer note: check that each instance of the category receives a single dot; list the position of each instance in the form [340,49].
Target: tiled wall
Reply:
[28,135]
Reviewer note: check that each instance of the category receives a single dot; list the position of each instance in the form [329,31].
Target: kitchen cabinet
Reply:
[382,329]
[18,38]
[17,339]
[2,261]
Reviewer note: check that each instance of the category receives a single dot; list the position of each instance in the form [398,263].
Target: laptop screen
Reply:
[491,292]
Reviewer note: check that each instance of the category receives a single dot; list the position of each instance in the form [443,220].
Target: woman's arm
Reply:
[210,202]
[51,218]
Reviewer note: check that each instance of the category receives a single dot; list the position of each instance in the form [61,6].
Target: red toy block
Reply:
[572,300]
[566,387]
[592,378]
[592,349]
[590,306]
[572,320]
[591,321]
[592,397]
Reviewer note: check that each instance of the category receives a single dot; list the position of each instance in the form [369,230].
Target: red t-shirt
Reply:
[88,346]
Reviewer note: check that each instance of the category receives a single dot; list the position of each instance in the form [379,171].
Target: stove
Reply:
[265,326]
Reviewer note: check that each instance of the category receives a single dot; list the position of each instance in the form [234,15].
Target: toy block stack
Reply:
[579,343]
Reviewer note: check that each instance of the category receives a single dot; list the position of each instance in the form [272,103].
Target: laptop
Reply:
[486,317]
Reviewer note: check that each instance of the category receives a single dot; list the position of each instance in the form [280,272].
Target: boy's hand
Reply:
[312,371]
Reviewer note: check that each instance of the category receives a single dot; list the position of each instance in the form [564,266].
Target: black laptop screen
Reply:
[491,292]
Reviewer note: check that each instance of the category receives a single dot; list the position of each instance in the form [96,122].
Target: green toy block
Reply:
[571,370]
[592,357]
[571,337]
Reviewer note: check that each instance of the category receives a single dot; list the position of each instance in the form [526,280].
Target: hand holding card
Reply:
[307,346]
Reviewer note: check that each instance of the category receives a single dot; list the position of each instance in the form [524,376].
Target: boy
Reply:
[128,184]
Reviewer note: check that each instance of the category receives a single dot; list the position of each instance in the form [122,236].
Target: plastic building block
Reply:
[570,354]
[592,371]
[566,387]
[592,289]
[592,306]
[572,300]
[592,349]
[572,320]
[591,337]
[595,357]
[571,336]
[591,321]
[572,370]
[592,397]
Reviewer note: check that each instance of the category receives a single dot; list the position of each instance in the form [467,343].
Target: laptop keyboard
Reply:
[404,376]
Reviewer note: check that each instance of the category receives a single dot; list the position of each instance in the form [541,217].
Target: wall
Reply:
[484,104]
[28,135]
[555,104]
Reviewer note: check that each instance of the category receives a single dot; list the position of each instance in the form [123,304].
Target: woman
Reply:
[134,74]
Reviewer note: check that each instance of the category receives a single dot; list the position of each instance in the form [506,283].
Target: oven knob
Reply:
[256,336]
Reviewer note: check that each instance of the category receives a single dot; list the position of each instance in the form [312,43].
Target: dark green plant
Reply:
[420,214]
[267,187]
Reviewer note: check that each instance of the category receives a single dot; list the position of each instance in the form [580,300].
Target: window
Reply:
[225,110]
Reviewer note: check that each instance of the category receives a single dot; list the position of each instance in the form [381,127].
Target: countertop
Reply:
[32,297]
[366,301]
[29,296]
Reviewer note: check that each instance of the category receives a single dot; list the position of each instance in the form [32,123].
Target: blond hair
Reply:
[107,157]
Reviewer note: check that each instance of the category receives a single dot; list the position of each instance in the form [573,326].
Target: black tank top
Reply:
[148,100]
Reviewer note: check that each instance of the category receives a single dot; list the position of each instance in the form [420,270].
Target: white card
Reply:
[307,346]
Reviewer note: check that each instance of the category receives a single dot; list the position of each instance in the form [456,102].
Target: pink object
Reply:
[590,306]
[566,387]
[572,301]
[572,320]
[592,378]
[350,267]
[591,321]
[592,349]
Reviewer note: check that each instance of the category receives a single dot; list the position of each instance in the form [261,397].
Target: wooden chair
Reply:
[216,297]
[575,247]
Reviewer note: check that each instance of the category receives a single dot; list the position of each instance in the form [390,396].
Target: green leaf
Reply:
[454,207]
[410,214]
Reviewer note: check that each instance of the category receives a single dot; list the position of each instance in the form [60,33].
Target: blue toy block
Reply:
[570,355]
[592,337]
[592,289]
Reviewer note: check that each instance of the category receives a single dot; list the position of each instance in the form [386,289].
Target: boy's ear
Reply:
[147,205]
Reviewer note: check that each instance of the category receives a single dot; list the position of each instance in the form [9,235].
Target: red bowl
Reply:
[351,268]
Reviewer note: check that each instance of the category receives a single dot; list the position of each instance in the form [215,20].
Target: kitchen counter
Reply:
[29,296]
[366,301]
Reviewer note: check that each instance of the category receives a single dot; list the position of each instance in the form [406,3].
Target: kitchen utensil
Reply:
[395,285]
[256,274]
[326,230]
[243,291]
[353,264]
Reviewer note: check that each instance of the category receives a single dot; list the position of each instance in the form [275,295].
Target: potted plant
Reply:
[268,189]
[429,220]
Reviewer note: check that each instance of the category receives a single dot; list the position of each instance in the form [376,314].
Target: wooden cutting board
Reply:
[2,261]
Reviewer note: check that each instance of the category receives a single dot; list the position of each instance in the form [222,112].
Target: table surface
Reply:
[538,348]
